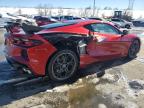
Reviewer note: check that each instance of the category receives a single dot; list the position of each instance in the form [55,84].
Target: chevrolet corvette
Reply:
[58,50]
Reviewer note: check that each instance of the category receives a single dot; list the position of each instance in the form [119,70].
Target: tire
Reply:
[128,26]
[63,65]
[117,26]
[134,49]
[100,74]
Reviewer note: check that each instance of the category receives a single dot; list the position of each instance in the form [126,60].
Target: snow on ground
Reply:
[122,86]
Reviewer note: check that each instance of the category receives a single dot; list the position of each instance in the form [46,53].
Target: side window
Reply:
[104,28]
[89,27]
[68,17]
[116,20]
[43,19]
[122,20]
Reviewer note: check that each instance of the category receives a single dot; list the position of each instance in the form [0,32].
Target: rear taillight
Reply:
[8,41]
[26,42]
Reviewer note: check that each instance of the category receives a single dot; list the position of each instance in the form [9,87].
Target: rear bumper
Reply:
[34,61]
[18,66]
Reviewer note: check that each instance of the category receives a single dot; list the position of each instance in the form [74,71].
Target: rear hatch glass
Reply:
[59,24]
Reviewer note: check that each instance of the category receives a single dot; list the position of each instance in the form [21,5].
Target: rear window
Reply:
[57,18]
[59,24]
[43,19]
[76,18]
[96,19]
[68,17]
[115,20]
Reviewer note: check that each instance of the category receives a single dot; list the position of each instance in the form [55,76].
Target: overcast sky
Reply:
[121,4]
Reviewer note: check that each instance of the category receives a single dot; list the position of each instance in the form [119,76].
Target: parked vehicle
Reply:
[58,50]
[78,18]
[45,20]
[6,17]
[138,22]
[65,18]
[56,18]
[95,18]
[100,19]
[3,21]
[37,17]
[27,20]
[122,23]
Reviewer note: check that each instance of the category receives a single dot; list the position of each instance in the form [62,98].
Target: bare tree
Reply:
[115,9]
[87,12]
[39,9]
[47,10]
[107,8]
[19,11]
[44,10]
[81,12]
[97,12]
[60,11]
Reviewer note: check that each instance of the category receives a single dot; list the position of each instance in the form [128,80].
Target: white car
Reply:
[27,20]
[122,23]
[6,17]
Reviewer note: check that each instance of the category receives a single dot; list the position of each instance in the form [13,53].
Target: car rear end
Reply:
[27,52]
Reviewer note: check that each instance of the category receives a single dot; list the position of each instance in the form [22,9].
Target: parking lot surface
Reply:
[122,86]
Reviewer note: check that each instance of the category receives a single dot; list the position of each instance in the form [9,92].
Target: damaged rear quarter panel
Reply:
[72,41]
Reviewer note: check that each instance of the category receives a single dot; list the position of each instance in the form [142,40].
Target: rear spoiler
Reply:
[28,29]
[31,29]
[11,25]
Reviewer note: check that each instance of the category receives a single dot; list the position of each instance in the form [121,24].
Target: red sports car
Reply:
[59,49]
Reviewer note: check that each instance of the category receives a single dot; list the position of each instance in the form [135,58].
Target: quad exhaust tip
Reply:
[27,70]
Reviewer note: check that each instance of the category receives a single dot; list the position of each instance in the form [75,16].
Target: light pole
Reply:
[93,7]
[130,7]
[131,3]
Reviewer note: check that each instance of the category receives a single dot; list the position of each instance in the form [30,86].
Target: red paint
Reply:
[112,46]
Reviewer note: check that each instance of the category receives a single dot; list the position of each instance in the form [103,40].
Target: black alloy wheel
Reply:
[134,49]
[128,26]
[63,65]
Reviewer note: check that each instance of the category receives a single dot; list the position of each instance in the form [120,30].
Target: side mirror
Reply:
[124,32]
[91,35]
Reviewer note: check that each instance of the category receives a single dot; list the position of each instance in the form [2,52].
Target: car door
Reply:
[107,43]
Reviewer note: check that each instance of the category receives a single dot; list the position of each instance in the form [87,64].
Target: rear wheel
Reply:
[100,73]
[134,48]
[63,65]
